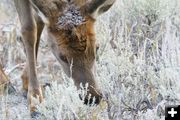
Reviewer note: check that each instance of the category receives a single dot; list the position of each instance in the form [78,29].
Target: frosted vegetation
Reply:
[138,67]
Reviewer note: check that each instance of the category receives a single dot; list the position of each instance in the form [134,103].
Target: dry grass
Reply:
[138,67]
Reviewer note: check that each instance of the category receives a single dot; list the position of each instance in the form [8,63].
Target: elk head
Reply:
[72,37]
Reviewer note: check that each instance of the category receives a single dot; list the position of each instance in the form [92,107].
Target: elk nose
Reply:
[90,101]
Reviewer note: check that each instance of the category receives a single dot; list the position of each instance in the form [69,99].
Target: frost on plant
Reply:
[138,65]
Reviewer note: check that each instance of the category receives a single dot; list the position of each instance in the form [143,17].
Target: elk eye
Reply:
[63,58]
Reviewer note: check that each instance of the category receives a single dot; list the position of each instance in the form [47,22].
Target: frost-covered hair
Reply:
[71,18]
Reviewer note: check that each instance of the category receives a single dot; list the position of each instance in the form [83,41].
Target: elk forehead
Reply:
[70,18]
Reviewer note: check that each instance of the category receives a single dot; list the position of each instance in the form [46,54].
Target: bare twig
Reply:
[14,68]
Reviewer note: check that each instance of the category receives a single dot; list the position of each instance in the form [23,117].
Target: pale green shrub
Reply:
[138,65]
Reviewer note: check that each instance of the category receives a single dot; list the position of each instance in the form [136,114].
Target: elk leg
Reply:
[24,76]
[29,35]
[40,27]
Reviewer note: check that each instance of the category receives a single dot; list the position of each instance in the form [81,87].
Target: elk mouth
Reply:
[93,100]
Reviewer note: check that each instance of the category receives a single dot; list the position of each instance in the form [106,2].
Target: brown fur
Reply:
[73,46]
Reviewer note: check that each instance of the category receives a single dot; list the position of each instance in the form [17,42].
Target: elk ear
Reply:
[96,7]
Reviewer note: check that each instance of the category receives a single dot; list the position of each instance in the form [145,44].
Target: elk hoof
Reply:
[35,114]
[24,94]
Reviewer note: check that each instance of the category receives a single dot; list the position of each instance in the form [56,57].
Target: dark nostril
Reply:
[90,101]
[98,100]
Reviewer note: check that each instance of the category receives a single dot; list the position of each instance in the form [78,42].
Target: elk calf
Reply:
[70,28]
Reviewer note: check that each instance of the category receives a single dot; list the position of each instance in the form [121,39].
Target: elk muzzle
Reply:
[84,77]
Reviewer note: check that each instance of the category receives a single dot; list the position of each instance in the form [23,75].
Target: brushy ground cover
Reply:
[138,67]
